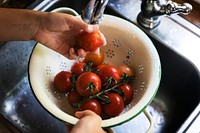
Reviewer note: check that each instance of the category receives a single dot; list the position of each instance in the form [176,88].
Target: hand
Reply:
[89,123]
[58,32]
[54,30]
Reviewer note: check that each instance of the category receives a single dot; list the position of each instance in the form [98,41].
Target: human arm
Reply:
[54,30]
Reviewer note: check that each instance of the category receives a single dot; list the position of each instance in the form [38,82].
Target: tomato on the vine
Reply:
[96,58]
[93,105]
[109,71]
[88,83]
[78,68]
[127,93]
[115,106]
[101,66]
[126,69]
[74,97]
[62,81]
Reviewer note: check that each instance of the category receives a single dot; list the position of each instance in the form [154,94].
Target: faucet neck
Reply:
[93,11]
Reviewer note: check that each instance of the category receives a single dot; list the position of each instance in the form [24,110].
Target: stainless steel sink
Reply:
[177,98]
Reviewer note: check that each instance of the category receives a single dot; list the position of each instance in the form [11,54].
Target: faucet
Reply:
[153,10]
[93,11]
[149,17]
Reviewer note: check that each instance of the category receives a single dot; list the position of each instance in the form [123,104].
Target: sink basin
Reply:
[177,97]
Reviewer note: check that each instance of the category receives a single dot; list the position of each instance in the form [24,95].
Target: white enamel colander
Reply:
[126,44]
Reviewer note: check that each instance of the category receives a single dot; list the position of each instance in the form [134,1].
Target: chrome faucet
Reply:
[153,10]
[149,17]
[93,11]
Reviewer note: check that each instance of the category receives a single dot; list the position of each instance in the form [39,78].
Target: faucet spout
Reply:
[153,10]
[93,11]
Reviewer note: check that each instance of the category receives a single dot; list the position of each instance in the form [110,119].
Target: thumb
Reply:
[81,114]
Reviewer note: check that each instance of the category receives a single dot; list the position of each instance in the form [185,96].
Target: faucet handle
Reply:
[93,11]
[173,7]
[153,10]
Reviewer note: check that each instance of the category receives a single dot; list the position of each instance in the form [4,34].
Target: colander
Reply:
[126,44]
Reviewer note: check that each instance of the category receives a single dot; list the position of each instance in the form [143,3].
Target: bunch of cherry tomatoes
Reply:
[90,84]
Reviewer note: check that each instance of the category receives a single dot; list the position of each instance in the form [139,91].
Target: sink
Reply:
[177,98]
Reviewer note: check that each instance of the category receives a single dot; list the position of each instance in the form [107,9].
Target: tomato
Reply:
[126,69]
[62,81]
[74,97]
[127,90]
[78,68]
[97,59]
[89,41]
[92,105]
[109,71]
[116,105]
[88,83]
[99,67]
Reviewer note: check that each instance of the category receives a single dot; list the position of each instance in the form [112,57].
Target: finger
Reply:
[103,38]
[72,54]
[81,53]
[81,114]
[80,24]
[97,51]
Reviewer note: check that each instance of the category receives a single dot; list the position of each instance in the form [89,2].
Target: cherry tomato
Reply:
[88,83]
[116,105]
[89,41]
[109,71]
[99,67]
[127,91]
[74,97]
[126,69]
[62,81]
[78,68]
[97,59]
[92,105]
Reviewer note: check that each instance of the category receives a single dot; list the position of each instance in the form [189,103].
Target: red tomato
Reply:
[99,67]
[88,84]
[116,105]
[89,41]
[109,71]
[78,68]
[97,59]
[92,105]
[126,69]
[62,81]
[127,90]
[74,97]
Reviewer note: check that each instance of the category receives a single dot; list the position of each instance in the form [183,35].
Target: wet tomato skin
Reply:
[127,93]
[96,58]
[101,66]
[116,105]
[77,68]
[93,105]
[62,81]
[88,84]
[74,97]
[126,69]
[89,41]
[109,71]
